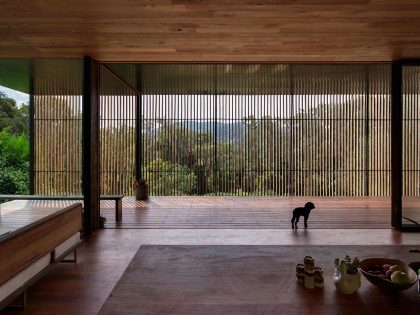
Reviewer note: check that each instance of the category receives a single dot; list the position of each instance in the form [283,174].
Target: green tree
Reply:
[264,148]
[58,146]
[170,179]
[14,147]
[12,117]
[14,156]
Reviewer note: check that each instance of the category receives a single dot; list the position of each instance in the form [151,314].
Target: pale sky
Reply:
[202,106]
[19,97]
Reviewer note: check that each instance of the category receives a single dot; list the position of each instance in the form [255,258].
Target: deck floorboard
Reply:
[227,212]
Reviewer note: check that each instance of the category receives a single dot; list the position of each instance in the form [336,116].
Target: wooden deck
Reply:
[227,212]
[209,212]
[254,212]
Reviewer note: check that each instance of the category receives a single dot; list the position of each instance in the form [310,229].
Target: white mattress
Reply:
[67,244]
[31,271]
[25,275]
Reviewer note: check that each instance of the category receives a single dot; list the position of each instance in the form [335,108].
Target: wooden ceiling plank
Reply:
[197,30]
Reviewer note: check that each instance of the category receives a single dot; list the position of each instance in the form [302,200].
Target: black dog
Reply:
[305,211]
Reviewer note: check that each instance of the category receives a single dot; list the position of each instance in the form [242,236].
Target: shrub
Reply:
[14,163]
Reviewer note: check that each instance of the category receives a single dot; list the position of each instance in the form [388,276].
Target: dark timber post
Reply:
[31,129]
[90,133]
[139,109]
[216,175]
[367,168]
[396,144]
[291,190]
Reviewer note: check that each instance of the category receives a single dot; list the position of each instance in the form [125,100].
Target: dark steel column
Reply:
[291,176]
[90,135]
[215,166]
[367,168]
[31,129]
[396,144]
[139,125]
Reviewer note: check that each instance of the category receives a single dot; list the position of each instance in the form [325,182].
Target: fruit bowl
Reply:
[384,284]
[415,265]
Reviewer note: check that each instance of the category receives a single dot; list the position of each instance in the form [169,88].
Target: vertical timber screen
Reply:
[231,129]
[252,118]
[410,144]
[117,132]
[328,131]
[411,131]
[378,126]
[58,89]
[177,128]
[340,130]
[314,130]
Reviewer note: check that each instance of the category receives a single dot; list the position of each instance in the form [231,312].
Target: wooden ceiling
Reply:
[212,31]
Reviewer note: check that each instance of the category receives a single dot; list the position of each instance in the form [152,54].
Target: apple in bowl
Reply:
[388,274]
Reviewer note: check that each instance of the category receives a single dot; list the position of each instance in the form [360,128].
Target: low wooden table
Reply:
[117,198]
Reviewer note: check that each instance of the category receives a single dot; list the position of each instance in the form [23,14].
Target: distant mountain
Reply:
[224,131]
[234,132]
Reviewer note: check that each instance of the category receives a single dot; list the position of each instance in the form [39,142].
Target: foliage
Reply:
[221,182]
[269,181]
[14,163]
[11,117]
[261,159]
[14,147]
[168,179]
[351,266]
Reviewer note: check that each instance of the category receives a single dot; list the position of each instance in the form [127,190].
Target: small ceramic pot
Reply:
[142,192]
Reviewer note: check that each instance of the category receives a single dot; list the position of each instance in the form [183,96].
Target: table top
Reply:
[17,215]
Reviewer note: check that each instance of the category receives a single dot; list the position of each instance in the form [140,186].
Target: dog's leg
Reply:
[293,222]
[296,222]
[306,222]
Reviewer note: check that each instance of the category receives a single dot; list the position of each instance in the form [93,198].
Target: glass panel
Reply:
[411,147]
[270,129]
[117,132]
[58,89]
[14,126]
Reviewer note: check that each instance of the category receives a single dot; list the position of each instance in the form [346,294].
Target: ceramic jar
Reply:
[344,282]
[142,192]
[309,281]
[300,273]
